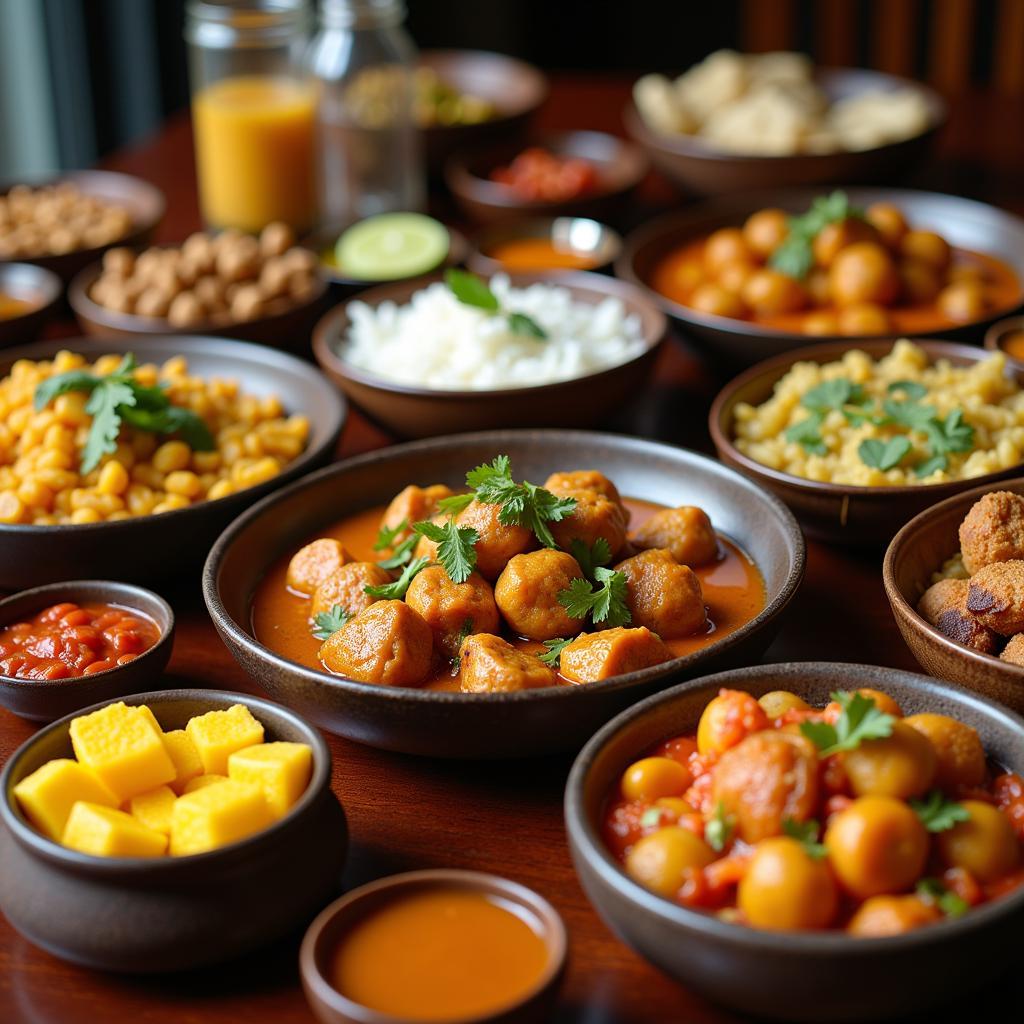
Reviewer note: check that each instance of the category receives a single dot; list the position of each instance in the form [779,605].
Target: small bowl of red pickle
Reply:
[67,645]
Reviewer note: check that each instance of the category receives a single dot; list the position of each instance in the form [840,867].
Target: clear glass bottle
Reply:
[253,112]
[369,148]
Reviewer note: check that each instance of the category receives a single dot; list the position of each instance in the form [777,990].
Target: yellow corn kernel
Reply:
[231,451]
[257,472]
[201,782]
[34,494]
[120,514]
[70,408]
[218,734]
[53,458]
[176,366]
[281,770]
[56,479]
[187,763]
[171,455]
[113,479]
[205,462]
[12,509]
[106,365]
[153,808]
[221,489]
[171,503]
[209,818]
[144,473]
[48,794]
[182,482]
[108,833]
[140,499]
[252,445]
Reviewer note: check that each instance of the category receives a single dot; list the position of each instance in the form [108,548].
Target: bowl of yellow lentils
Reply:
[122,467]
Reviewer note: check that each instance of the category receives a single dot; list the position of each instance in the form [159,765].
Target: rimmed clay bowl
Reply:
[40,288]
[174,543]
[700,169]
[965,223]
[839,513]
[505,725]
[410,411]
[809,976]
[583,236]
[997,336]
[154,915]
[917,552]
[43,700]
[330,928]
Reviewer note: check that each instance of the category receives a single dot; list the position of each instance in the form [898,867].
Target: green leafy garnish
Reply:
[554,651]
[718,831]
[942,436]
[911,388]
[455,547]
[604,600]
[453,505]
[467,629]
[387,535]
[795,256]
[589,559]
[327,623]
[401,554]
[807,434]
[806,833]
[938,813]
[395,590]
[118,398]
[840,395]
[883,454]
[471,290]
[860,719]
[932,891]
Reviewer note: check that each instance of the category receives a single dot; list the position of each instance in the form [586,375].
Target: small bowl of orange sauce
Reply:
[445,946]
[1007,336]
[545,245]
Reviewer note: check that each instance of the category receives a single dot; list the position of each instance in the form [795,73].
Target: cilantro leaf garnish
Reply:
[471,290]
[807,434]
[938,813]
[590,558]
[833,394]
[604,600]
[456,662]
[387,535]
[806,834]
[911,388]
[554,651]
[795,256]
[395,590]
[860,719]
[328,623]
[401,554]
[718,831]
[932,891]
[453,505]
[455,547]
[883,454]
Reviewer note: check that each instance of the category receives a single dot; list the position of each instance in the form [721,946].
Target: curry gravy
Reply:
[733,592]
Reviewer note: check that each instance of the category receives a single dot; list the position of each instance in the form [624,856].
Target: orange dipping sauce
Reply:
[10,307]
[532,254]
[443,953]
[1013,345]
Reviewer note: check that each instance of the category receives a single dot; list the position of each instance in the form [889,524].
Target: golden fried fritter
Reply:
[944,605]
[940,596]
[993,531]
[996,596]
[1013,652]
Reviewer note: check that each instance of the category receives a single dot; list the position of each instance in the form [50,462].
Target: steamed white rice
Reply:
[438,342]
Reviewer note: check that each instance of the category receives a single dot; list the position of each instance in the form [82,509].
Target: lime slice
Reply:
[391,245]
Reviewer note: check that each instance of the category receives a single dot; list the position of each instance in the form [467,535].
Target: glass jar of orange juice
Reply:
[253,112]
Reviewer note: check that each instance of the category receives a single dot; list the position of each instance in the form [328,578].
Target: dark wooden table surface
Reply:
[407,813]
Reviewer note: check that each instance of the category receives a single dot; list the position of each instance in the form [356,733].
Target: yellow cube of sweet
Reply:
[121,746]
[48,794]
[217,734]
[202,781]
[153,809]
[281,770]
[208,818]
[151,718]
[183,753]
[110,833]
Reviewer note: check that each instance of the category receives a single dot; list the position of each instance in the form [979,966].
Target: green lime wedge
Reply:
[391,245]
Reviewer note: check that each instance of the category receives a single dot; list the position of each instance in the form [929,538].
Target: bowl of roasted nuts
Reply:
[257,287]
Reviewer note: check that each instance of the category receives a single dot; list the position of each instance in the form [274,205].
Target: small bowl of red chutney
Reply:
[65,646]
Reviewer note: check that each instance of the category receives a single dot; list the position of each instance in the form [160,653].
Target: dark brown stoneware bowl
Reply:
[329,929]
[426,412]
[918,551]
[494,725]
[838,513]
[144,915]
[1000,332]
[620,166]
[40,288]
[589,238]
[515,88]
[43,700]
[289,329]
[795,976]
[145,203]
[701,169]
[174,543]
[735,343]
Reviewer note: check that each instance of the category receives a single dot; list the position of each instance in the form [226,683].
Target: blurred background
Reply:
[79,78]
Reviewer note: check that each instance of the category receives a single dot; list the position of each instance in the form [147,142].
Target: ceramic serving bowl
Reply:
[288,329]
[581,236]
[173,543]
[808,976]
[43,700]
[701,169]
[40,288]
[620,166]
[410,411]
[145,203]
[918,551]
[528,723]
[1002,335]
[145,915]
[515,89]
[838,513]
[965,223]
[329,929]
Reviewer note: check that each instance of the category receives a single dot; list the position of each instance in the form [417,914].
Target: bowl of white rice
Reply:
[421,362]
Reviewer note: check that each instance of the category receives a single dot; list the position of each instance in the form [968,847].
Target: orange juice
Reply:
[254,152]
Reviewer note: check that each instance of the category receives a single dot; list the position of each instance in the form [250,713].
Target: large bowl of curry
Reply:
[751,276]
[579,599]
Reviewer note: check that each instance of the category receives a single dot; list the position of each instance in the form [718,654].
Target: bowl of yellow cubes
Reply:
[168,831]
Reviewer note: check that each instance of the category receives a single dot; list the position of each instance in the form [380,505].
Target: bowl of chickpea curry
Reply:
[774,835]
[432,598]
[750,277]
[117,465]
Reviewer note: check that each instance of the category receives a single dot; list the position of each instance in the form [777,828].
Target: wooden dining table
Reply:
[504,817]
